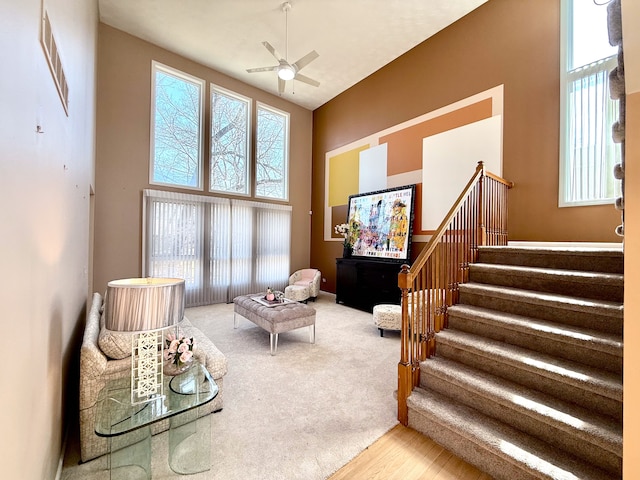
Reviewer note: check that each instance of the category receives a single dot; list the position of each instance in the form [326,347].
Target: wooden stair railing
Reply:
[430,285]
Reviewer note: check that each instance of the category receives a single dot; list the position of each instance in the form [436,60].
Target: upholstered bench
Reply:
[275,319]
[387,317]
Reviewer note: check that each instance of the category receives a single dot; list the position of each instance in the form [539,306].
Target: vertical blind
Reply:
[221,247]
[591,151]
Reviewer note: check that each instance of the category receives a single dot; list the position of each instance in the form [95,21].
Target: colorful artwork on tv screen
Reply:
[380,223]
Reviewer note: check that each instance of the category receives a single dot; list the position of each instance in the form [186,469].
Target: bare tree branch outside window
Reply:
[271,154]
[177,130]
[229,143]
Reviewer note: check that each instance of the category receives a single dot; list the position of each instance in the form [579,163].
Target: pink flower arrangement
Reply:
[179,349]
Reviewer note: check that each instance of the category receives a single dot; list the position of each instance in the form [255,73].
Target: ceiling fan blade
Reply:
[306,60]
[263,69]
[280,86]
[273,51]
[307,80]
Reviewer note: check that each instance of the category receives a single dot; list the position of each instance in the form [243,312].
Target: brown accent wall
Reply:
[514,43]
[122,154]
[404,147]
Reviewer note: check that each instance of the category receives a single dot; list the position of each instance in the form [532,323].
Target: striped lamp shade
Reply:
[136,304]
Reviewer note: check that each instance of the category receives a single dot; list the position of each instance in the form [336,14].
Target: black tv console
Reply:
[362,284]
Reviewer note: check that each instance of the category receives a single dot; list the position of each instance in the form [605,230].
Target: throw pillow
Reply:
[115,345]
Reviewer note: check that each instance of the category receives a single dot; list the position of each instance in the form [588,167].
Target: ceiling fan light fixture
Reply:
[286,72]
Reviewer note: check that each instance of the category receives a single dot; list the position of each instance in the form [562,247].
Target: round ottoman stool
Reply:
[297,293]
[387,317]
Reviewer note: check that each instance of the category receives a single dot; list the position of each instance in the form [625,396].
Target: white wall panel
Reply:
[458,150]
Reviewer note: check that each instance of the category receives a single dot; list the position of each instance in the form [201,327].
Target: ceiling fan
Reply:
[287,71]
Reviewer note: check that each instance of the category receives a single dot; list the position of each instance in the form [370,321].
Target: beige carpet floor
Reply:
[301,414]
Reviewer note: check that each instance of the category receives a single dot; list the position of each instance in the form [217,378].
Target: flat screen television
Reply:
[380,224]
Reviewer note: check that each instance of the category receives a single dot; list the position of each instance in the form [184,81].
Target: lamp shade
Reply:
[135,304]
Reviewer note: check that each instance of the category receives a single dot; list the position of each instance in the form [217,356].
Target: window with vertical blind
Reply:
[587,151]
[222,247]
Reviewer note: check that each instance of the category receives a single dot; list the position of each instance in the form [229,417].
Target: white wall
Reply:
[45,182]
[456,150]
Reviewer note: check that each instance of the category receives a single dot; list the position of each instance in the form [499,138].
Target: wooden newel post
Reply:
[405,383]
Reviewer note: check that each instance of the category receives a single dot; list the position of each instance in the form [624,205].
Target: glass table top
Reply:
[116,415]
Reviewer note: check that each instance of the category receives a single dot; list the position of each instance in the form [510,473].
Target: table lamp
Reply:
[146,307]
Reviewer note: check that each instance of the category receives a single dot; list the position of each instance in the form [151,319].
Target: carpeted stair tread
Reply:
[587,378]
[499,450]
[570,419]
[571,258]
[574,335]
[578,283]
[601,307]
[578,276]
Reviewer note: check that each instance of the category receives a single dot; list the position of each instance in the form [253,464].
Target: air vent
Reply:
[53,59]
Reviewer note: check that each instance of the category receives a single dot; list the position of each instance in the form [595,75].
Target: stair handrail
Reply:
[434,276]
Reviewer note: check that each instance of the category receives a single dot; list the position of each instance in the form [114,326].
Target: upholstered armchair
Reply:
[308,277]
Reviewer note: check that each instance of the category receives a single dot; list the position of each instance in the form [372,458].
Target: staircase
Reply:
[526,382]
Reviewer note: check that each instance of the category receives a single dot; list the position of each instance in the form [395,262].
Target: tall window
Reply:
[272,153]
[230,122]
[587,150]
[222,247]
[176,128]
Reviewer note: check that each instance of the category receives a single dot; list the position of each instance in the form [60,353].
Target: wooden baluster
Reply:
[431,308]
[479,217]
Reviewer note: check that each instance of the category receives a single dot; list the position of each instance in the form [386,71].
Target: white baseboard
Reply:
[63,450]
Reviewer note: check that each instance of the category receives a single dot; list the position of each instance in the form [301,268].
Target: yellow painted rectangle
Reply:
[343,176]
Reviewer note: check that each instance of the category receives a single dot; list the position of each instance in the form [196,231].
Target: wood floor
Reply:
[404,454]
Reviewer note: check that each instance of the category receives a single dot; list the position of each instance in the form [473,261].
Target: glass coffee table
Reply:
[128,427]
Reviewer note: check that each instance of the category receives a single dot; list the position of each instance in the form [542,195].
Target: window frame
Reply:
[286,151]
[249,160]
[566,48]
[156,67]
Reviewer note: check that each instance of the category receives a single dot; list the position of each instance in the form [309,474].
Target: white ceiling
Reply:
[354,38]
